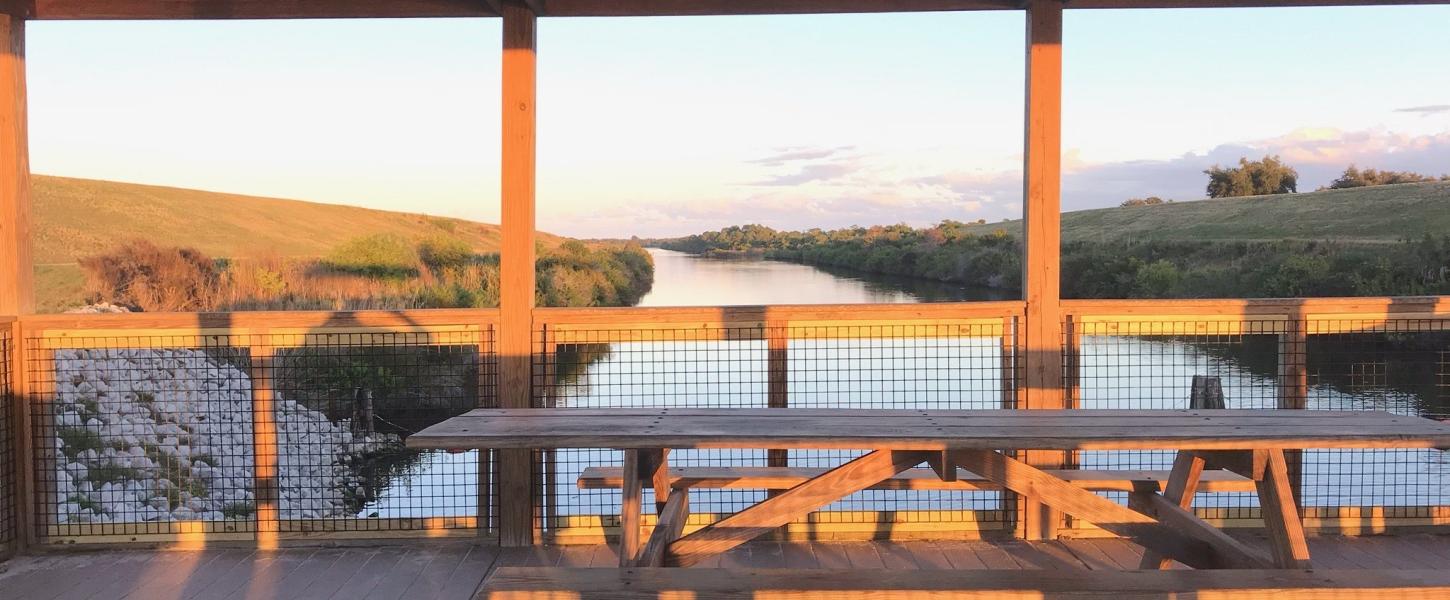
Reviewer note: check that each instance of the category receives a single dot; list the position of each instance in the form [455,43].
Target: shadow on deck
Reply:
[453,570]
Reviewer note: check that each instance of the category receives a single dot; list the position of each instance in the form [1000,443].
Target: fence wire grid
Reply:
[906,366]
[139,435]
[1398,366]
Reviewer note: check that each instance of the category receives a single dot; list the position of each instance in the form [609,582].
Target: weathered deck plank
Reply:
[454,571]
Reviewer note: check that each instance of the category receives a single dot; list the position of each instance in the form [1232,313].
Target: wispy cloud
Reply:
[813,172]
[1432,109]
[839,189]
[788,155]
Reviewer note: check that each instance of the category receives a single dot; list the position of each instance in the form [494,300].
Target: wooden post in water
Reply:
[1041,208]
[516,269]
[1207,393]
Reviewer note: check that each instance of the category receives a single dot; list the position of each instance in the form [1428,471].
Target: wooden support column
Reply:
[17,294]
[1041,211]
[516,277]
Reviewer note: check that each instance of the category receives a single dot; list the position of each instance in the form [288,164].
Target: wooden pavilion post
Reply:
[516,277]
[17,296]
[17,288]
[1041,208]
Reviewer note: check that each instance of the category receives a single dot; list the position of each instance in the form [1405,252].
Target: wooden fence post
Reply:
[777,335]
[1041,207]
[267,485]
[22,440]
[1293,375]
[516,269]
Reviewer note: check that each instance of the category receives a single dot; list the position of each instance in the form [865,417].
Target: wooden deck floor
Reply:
[455,570]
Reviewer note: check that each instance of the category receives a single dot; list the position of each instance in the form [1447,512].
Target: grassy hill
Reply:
[1370,215]
[75,218]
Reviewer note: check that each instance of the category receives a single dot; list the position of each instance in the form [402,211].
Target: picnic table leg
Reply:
[1281,516]
[639,465]
[629,509]
[659,475]
[1182,483]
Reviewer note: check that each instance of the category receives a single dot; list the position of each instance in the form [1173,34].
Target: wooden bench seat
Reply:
[780,478]
[553,583]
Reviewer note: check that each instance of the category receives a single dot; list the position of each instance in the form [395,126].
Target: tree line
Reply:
[948,252]
[1270,175]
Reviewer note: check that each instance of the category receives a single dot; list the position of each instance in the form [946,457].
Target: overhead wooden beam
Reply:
[258,9]
[1160,4]
[342,9]
[1042,340]
[17,278]
[630,8]
[516,270]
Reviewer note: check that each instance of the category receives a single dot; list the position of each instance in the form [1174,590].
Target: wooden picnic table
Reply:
[1250,443]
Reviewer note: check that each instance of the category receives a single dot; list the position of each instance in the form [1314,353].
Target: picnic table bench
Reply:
[1238,449]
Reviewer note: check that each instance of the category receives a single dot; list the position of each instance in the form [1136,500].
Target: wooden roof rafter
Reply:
[341,9]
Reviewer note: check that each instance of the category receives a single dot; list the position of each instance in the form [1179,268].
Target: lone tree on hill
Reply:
[1353,178]
[1252,178]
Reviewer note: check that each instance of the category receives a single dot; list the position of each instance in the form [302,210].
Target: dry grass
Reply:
[75,218]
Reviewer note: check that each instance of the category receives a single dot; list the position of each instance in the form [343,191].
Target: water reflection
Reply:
[1398,373]
[687,280]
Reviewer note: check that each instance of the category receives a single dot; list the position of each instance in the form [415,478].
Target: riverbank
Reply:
[953,252]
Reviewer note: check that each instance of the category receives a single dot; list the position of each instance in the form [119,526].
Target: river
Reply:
[1117,372]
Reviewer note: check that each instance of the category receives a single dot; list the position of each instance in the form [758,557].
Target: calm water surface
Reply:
[1117,372]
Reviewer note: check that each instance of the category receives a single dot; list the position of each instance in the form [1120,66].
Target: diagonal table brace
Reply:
[812,494]
[1142,529]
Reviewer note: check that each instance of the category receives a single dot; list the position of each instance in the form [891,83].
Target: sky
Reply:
[670,126]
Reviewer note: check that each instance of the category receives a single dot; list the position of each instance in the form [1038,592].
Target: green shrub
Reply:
[75,440]
[441,253]
[378,255]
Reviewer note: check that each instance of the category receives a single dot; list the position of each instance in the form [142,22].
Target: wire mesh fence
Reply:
[152,433]
[9,473]
[1152,364]
[1400,366]
[1395,365]
[839,365]
[159,434]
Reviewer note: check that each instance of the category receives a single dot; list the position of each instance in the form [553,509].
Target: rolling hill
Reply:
[75,218]
[1377,214]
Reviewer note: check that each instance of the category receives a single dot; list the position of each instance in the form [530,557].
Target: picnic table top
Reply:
[806,428]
